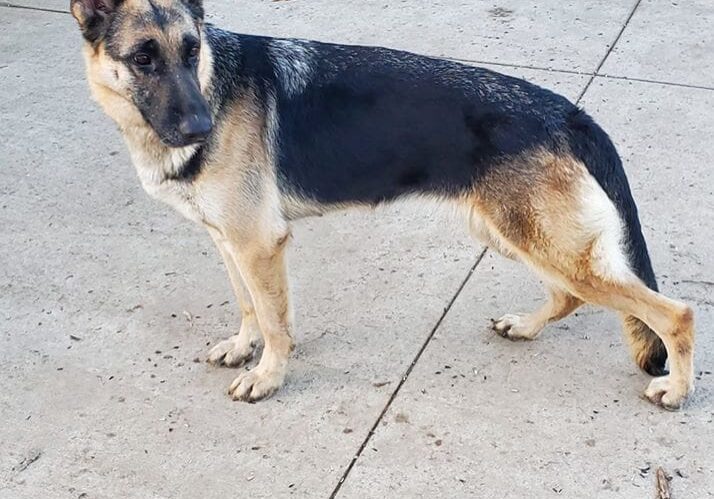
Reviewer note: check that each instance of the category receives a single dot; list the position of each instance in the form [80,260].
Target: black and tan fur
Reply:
[244,134]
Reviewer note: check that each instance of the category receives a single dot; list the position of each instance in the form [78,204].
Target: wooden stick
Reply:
[662,485]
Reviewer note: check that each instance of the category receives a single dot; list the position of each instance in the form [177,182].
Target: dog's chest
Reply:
[155,177]
[178,195]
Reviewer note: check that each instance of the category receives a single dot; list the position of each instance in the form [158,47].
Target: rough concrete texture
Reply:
[668,41]
[107,297]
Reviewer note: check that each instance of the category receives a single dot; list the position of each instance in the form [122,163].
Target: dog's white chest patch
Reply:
[156,181]
[176,195]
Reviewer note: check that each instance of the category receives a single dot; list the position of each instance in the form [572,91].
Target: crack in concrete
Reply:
[405,376]
[28,7]
[609,51]
[580,73]
[657,82]
[517,66]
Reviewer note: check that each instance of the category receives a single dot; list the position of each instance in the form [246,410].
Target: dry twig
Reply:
[662,485]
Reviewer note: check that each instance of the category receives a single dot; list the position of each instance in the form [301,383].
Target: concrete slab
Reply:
[667,41]
[481,416]
[551,33]
[107,298]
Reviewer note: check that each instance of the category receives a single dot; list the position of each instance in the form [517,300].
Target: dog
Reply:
[244,134]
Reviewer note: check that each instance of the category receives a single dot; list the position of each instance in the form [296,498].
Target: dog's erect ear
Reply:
[93,16]
[196,8]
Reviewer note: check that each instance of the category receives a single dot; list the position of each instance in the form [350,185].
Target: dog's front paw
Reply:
[665,392]
[233,352]
[257,384]
[513,327]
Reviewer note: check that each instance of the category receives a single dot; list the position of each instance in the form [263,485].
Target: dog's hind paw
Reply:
[663,391]
[513,327]
[233,352]
[257,384]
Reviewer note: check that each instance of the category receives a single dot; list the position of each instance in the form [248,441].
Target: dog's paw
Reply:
[233,352]
[663,391]
[255,385]
[513,327]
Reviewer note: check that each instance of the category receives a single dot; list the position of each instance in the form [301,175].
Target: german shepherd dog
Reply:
[244,134]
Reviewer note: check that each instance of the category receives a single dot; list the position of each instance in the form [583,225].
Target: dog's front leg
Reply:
[262,266]
[239,348]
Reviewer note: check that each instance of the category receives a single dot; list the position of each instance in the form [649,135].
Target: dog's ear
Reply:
[93,16]
[196,8]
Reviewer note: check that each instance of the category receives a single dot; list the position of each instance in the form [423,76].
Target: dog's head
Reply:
[145,63]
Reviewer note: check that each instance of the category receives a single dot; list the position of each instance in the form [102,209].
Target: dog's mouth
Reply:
[177,142]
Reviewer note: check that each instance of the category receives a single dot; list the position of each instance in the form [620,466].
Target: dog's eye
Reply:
[142,59]
[194,52]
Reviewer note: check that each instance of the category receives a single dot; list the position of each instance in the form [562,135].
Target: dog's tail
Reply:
[591,145]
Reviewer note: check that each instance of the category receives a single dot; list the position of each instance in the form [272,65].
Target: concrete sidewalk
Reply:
[109,301]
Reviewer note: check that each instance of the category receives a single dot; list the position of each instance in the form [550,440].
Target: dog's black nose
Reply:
[195,128]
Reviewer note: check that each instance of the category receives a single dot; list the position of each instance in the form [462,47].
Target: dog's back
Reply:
[363,125]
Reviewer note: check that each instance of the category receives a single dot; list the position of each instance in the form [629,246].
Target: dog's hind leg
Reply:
[523,326]
[239,348]
[554,216]
[527,327]
[671,320]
